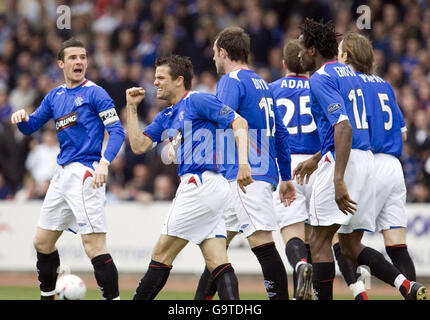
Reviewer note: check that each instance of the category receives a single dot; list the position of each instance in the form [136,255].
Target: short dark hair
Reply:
[179,66]
[68,44]
[322,37]
[236,42]
[290,54]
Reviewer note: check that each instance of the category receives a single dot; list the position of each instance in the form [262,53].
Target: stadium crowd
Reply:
[125,37]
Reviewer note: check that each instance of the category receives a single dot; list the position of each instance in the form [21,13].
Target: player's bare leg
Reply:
[105,270]
[48,261]
[397,250]
[206,288]
[165,251]
[94,244]
[323,268]
[215,254]
[274,273]
[296,251]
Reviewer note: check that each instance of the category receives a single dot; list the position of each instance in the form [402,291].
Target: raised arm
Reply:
[139,142]
[28,124]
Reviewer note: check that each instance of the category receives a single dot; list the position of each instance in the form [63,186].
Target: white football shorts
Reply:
[251,211]
[196,212]
[72,204]
[390,193]
[361,188]
[298,211]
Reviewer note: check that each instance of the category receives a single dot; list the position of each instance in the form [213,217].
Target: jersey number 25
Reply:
[290,109]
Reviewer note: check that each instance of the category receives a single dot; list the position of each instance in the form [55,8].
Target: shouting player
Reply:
[387,130]
[196,213]
[252,213]
[343,192]
[76,196]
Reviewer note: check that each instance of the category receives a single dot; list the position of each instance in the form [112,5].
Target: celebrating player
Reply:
[76,196]
[291,95]
[252,213]
[387,127]
[196,213]
[343,192]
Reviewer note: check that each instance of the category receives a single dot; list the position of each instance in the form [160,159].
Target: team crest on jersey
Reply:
[225,109]
[181,115]
[67,121]
[79,100]
[333,107]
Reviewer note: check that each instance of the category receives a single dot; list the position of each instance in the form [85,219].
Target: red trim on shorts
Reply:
[397,246]
[192,180]
[87,175]
[168,218]
[107,261]
[315,209]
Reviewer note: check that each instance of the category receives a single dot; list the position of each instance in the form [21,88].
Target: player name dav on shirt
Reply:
[66,121]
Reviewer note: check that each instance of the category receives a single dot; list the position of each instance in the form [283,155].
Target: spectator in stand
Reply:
[5,190]
[28,190]
[164,189]
[41,161]
[129,35]
[24,94]
[140,187]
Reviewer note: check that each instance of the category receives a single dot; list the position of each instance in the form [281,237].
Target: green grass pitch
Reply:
[33,293]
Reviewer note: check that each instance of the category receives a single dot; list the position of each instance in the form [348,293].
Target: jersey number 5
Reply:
[383,97]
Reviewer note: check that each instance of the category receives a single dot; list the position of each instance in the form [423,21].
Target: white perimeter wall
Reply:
[134,228]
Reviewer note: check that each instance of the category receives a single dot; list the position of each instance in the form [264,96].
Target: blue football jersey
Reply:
[336,95]
[386,120]
[191,125]
[81,115]
[292,97]
[250,96]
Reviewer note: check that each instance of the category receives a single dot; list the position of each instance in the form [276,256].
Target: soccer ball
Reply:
[70,287]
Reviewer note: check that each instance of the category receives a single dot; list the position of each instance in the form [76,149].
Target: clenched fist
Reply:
[19,116]
[135,95]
